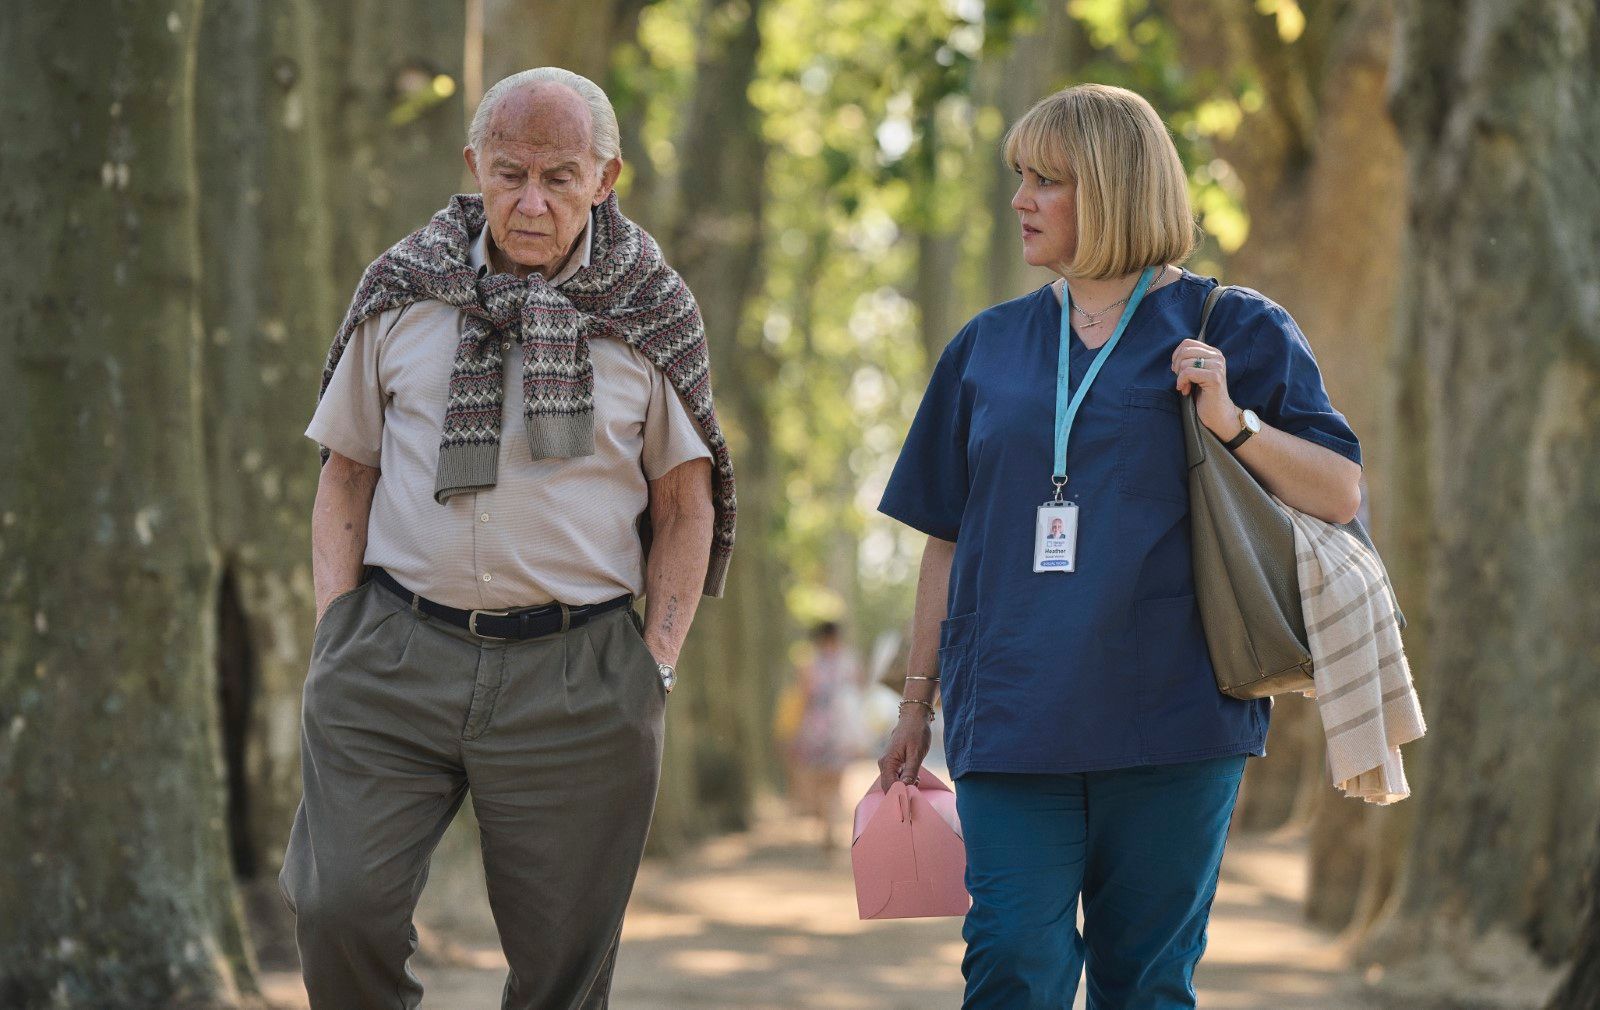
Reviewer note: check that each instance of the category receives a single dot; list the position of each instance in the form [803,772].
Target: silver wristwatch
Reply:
[668,676]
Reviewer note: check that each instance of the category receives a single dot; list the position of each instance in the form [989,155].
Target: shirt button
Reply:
[484,518]
[487,576]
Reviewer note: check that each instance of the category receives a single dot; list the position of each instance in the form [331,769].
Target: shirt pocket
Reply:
[956,647]
[1150,457]
[1167,631]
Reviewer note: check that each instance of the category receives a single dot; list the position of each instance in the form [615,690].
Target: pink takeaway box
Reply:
[908,856]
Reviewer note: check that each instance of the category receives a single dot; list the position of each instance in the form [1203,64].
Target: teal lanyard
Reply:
[1066,411]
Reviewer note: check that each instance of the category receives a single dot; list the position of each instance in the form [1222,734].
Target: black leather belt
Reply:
[504,625]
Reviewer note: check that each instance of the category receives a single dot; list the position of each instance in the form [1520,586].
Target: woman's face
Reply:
[1047,211]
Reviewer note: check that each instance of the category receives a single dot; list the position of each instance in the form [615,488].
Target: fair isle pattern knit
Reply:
[628,292]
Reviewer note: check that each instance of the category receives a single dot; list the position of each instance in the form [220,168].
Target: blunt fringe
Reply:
[1132,194]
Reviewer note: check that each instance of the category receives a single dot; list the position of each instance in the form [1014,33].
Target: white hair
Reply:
[605,142]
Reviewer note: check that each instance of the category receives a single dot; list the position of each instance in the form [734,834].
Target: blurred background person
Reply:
[831,731]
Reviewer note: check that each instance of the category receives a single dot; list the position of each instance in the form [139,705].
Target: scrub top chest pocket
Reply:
[1151,461]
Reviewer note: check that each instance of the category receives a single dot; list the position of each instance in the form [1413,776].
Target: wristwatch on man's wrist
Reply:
[668,676]
[1249,424]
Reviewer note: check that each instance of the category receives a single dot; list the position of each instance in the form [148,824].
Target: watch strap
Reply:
[1240,439]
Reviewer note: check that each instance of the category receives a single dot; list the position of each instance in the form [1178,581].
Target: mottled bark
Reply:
[1581,990]
[1354,213]
[1351,869]
[118,892]
[396,122]
[269,302]
[1498,105]
[336,133]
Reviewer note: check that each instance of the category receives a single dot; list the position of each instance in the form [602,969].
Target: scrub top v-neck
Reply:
[1106,666]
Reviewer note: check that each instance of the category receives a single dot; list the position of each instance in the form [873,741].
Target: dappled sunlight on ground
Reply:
[766,920]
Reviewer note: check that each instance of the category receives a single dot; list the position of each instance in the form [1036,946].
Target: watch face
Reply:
[1252,422]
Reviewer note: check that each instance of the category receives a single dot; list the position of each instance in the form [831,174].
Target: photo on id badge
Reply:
[1055,537]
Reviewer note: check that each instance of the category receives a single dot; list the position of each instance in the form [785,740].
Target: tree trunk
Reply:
[1349,258]
[120,893]
[1498,104]
[269,303]
[578,35]
[1349,877]
[335,136]
[1038,62]
[934,289]
[397,123]
[718,744]
[1581,990]
[1269,796]
[575,34]
[936,229]
[640,184]
[1321,168]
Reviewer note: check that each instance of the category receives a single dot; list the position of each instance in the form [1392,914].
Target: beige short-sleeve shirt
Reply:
[550,529]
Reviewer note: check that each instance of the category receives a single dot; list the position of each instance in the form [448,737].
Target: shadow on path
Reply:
[766,921]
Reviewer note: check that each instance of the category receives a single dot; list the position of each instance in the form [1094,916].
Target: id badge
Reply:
[1055,537]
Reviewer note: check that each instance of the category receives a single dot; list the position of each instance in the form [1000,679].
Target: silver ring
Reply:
[1199,362]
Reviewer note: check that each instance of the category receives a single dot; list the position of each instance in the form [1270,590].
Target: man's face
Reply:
[539,176]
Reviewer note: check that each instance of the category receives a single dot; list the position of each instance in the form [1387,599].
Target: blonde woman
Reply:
[1092,752]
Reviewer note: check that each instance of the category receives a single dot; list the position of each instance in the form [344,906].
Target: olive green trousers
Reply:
[558,739]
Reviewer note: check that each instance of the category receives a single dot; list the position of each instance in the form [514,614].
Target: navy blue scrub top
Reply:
[1104,667]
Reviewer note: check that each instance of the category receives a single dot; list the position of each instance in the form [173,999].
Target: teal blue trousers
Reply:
[1143,846]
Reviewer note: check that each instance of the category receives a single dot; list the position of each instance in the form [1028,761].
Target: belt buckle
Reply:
[472,623]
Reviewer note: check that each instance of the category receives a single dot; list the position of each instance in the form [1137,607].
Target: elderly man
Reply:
[516,405]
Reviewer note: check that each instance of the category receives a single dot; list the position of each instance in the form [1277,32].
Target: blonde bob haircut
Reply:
[1132,195]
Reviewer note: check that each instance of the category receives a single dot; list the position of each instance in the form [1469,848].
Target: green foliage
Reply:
[1136,48]
[879,134]
[843,87]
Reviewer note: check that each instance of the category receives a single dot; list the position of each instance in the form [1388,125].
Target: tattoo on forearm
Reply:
[669,615]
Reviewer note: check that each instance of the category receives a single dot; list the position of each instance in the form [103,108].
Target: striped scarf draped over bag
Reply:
[1365,696]
[628,292]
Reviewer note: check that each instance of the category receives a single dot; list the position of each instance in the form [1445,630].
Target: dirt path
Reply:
[765,921]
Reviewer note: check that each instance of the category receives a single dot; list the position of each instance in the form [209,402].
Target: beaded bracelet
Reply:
[914,701]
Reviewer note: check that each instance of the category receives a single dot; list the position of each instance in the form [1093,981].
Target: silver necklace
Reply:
[1094,318]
